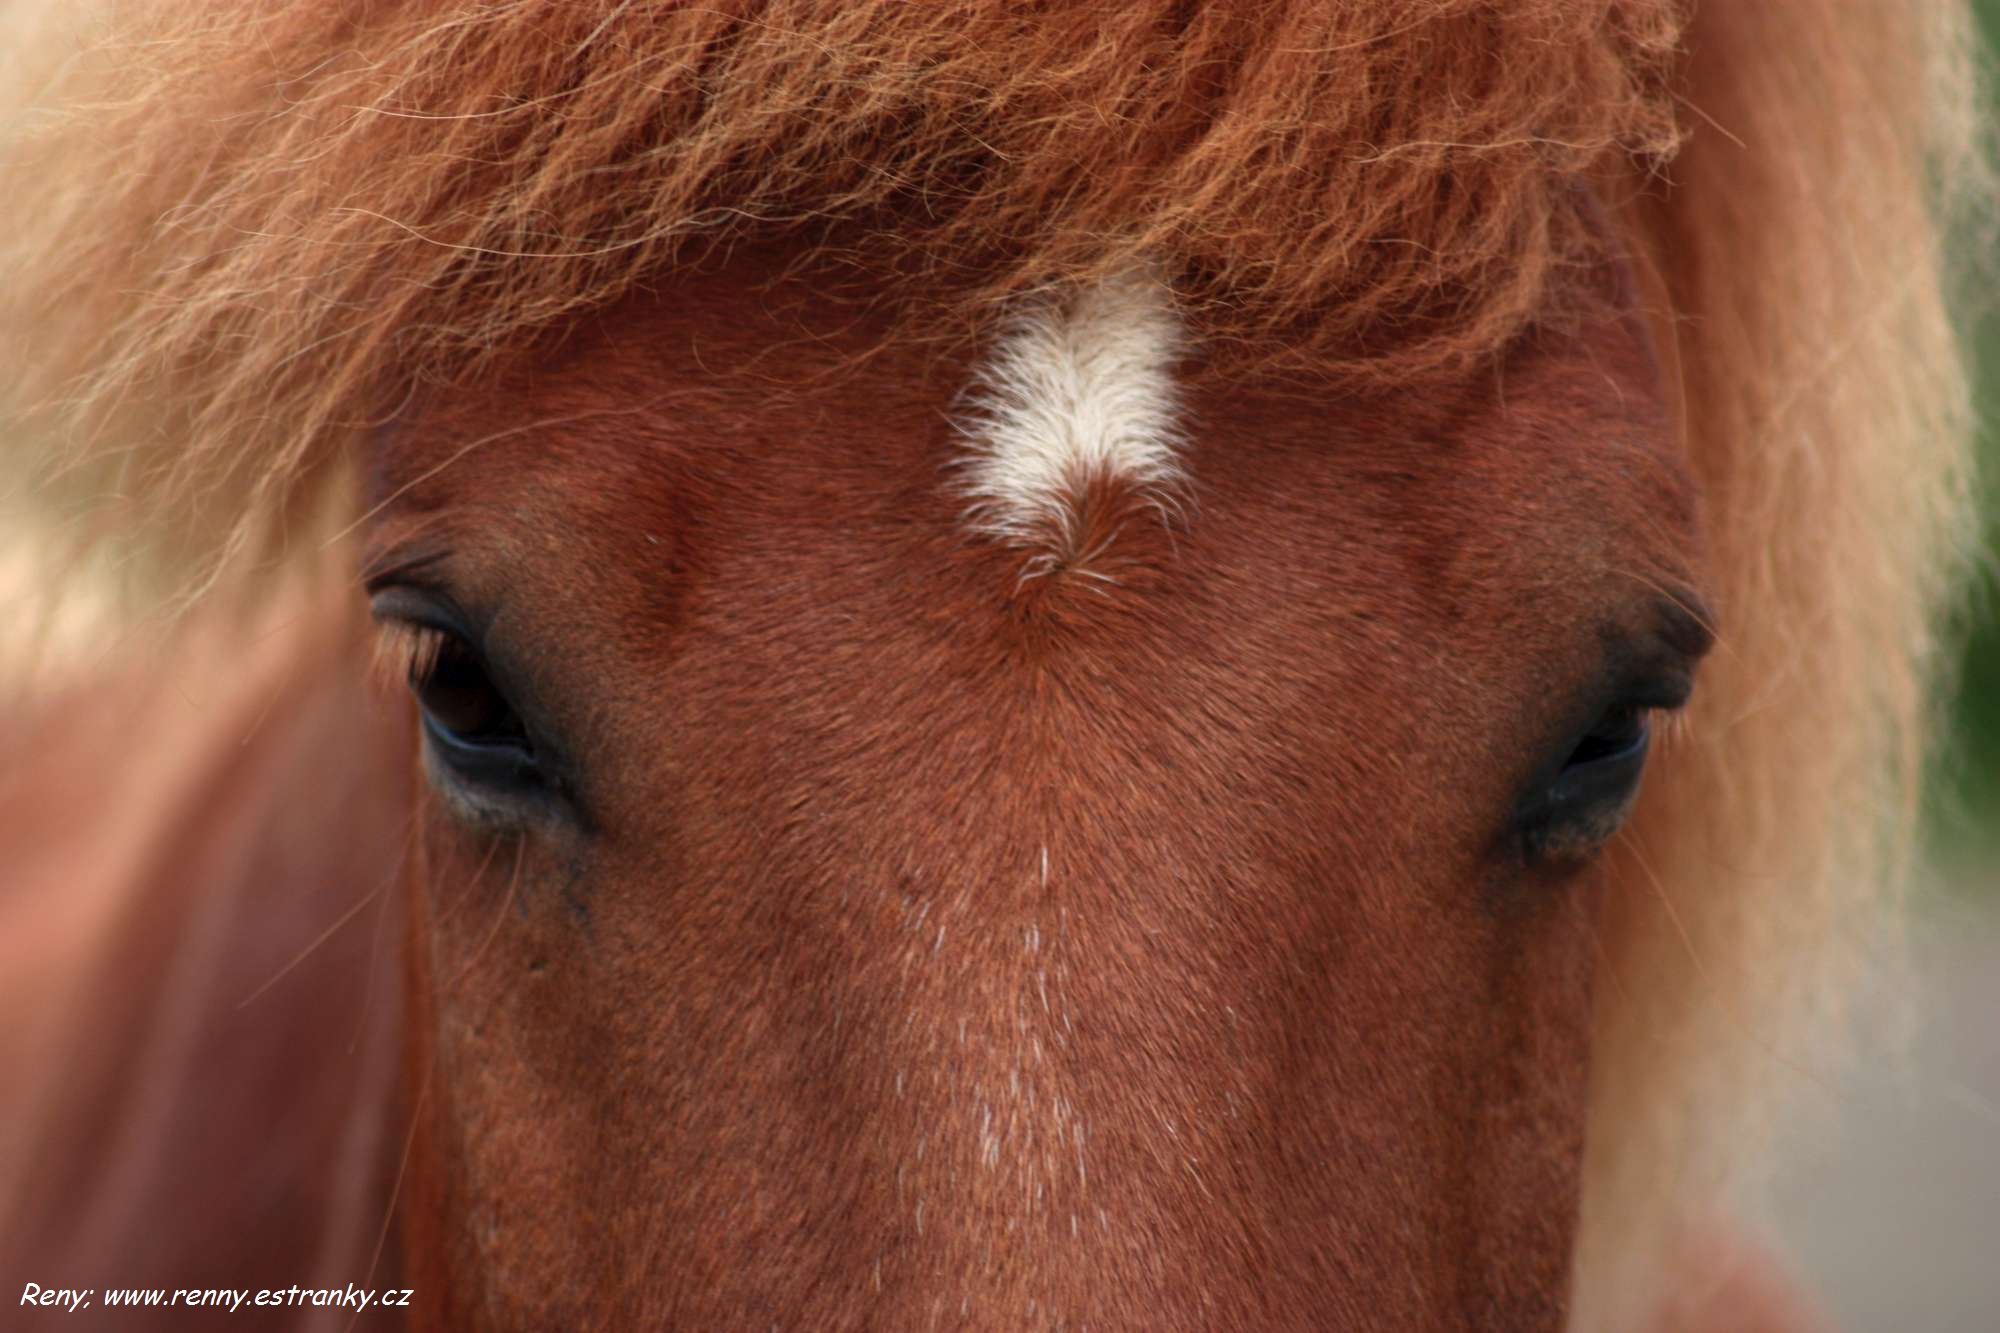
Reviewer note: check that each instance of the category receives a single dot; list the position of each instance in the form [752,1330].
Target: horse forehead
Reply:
[786,511]
[1051,548]
[773,396]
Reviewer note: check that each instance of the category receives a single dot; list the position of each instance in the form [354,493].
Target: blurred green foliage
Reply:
[1969,811]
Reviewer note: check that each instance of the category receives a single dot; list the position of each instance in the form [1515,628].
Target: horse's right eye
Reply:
[461,700]
[469,725]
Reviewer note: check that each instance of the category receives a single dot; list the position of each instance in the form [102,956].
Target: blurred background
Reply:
[1887,1193]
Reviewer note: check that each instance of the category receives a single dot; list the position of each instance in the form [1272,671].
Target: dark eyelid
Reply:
[418,603]
[1653,687]
[1684,625]
[412,564]
[1654,668]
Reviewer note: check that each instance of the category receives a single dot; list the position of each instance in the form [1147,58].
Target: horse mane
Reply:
[272,221]
[240,236]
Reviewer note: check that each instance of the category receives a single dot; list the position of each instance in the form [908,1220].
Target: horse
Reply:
[877,665]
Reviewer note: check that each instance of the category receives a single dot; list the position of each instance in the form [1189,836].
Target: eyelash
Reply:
[478,750]
[407,652]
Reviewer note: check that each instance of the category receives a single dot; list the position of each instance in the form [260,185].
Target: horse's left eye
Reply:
[1573,810]
[1620,734]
